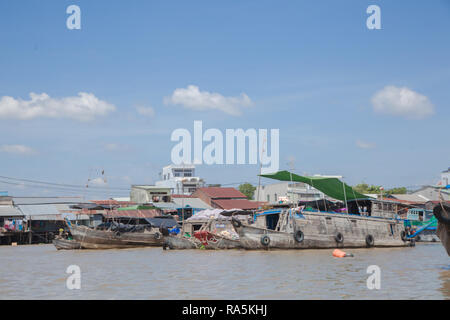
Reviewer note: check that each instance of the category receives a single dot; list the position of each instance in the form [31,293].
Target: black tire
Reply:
[299,236]
[403,235]
[164,231]
[117,234]
[265,240]
[339,237]
[157,235]
[418,238]
[437,211]
[236,223]
[370,241]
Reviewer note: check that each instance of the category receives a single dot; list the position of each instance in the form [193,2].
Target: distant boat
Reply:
[66,244]
[423,223]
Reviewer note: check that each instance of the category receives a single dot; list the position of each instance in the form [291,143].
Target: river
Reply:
[39,272]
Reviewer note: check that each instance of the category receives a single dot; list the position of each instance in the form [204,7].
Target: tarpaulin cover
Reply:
[332,187]
[158,222]
[220,214]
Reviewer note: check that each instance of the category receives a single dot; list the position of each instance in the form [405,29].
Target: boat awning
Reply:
[332,187]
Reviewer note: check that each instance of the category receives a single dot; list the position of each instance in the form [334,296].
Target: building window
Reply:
[268,198]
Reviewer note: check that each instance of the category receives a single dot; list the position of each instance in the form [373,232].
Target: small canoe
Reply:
[64,244]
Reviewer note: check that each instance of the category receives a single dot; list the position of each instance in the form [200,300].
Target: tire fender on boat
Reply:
[403,235]
[265,240]
[157,235]
[298,236]
[370,240]
[339,237]
[236,223]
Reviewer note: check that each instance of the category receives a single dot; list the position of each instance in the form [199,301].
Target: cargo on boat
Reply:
[208,229]
[363,222]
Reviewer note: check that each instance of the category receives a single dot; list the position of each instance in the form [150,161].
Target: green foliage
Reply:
[247,189]
[365,188]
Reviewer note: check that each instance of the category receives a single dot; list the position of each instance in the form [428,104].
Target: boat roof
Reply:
[331,186]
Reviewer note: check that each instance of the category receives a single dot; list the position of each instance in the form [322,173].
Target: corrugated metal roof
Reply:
[9,211]
[48,217]
[219,192]
[42,209]
[45,200]
[228,204]
[132,213]
[191,202]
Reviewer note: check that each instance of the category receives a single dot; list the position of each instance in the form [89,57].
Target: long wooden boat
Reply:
[90,238]
[363,222]
[318,230]
[65,244]
[176,242]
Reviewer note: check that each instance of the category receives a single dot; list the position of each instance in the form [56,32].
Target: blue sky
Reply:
[310,69]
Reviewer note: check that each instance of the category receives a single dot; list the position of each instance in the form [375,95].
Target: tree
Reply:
[365,188]
[248,189]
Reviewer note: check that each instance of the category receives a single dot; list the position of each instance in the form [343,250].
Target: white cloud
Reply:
[83,107]
[112,147]
[192,98]
[365,145]
[146,111]
[402,102]
[17,149]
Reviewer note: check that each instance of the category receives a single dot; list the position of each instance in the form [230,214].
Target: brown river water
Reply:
[39,272]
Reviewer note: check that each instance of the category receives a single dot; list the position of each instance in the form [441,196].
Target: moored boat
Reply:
[66,244]
[365,222]
[442,214]
[118,235]
[208,229]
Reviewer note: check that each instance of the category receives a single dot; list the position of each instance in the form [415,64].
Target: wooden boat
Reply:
[90,238]
[180,242]
[216,241]
[442,214]
[211,234]
[422,224]
[365,222]
[66,244]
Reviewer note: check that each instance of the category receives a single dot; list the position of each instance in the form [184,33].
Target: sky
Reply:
[371,105]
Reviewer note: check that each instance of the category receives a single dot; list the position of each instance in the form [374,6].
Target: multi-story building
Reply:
[180,179]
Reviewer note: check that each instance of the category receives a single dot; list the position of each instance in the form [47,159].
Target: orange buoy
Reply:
[341,254]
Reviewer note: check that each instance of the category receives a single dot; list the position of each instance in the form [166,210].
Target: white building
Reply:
[287,191]
[180,179]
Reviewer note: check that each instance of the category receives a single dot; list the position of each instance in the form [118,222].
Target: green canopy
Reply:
[332,187]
